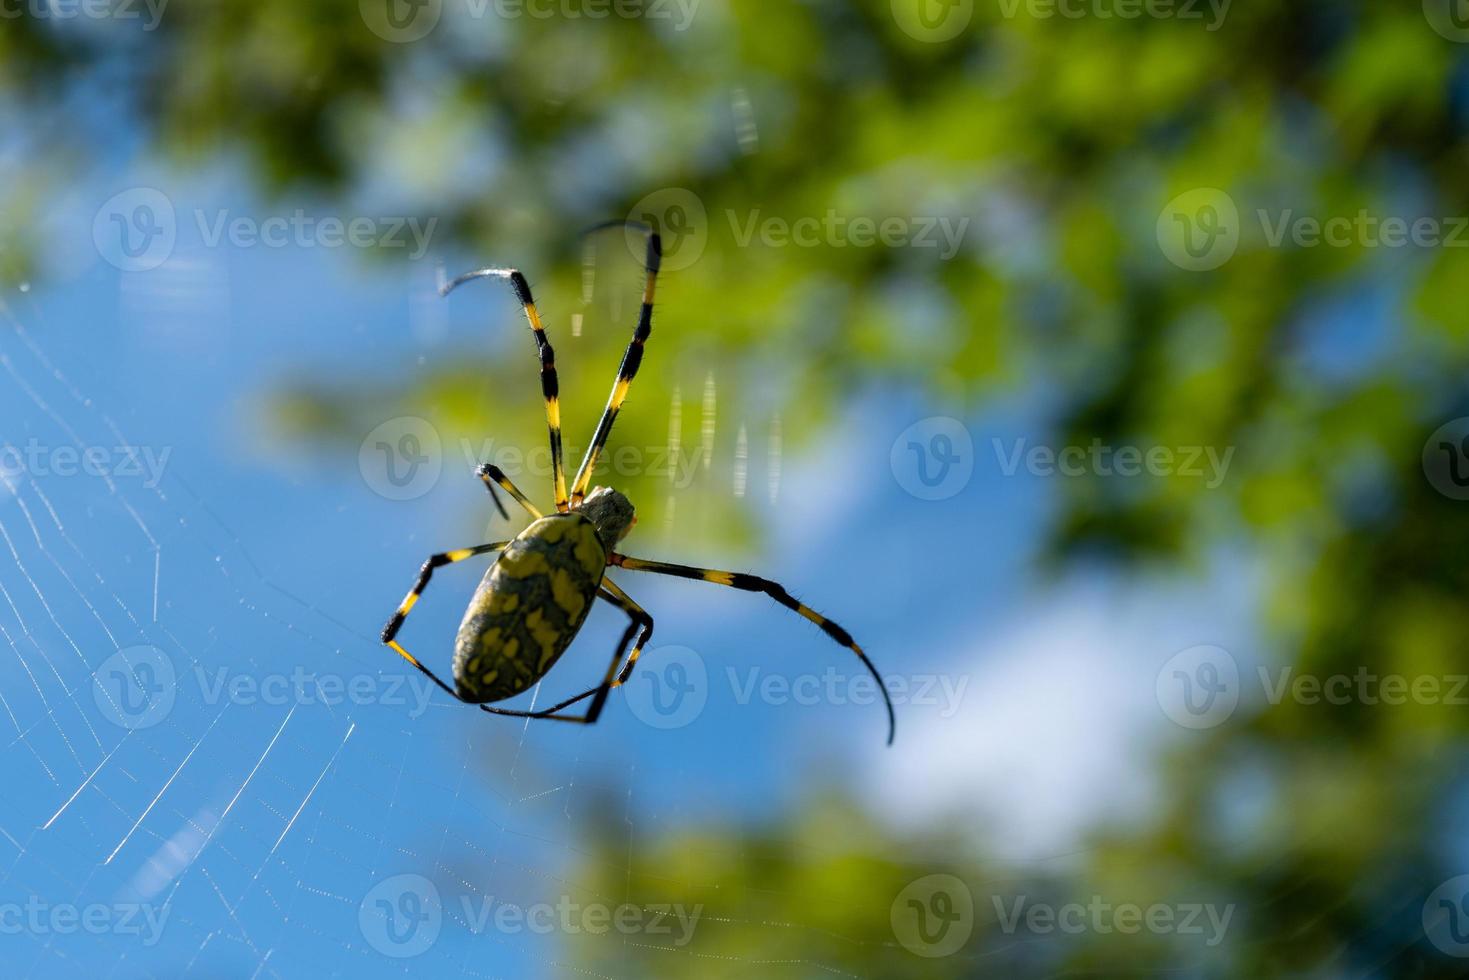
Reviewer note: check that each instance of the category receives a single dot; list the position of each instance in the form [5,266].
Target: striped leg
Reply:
[549,385]
[638,617]
[495,496]
[492,474]
[631,358]
[390,631]
[776,591]
[624,600]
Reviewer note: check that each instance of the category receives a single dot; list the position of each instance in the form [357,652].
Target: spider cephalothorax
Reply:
[611,512]
[536,595]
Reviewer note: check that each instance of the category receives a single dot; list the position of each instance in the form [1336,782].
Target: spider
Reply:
[536,594]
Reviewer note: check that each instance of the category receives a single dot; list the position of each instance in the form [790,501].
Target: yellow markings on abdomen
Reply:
[567,594]
[523,565]
[529,607]
[547,635]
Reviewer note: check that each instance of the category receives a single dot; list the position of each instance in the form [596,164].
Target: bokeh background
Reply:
[1101,365]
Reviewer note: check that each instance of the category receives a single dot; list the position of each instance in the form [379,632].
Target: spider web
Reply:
[237,833]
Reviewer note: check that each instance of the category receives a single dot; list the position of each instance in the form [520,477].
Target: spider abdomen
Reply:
[528,608]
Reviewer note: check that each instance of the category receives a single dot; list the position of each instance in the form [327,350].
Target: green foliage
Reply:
[1062,140]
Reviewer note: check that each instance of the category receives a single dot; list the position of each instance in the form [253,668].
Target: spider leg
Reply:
[776,591]
[624,600]
[492,474]
[496,498]
[549,384]
[631,358]
[426,573]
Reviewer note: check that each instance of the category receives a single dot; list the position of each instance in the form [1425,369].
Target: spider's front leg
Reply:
[491,475]
[550,387]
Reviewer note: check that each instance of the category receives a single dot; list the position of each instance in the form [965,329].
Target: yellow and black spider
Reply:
[535,597]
